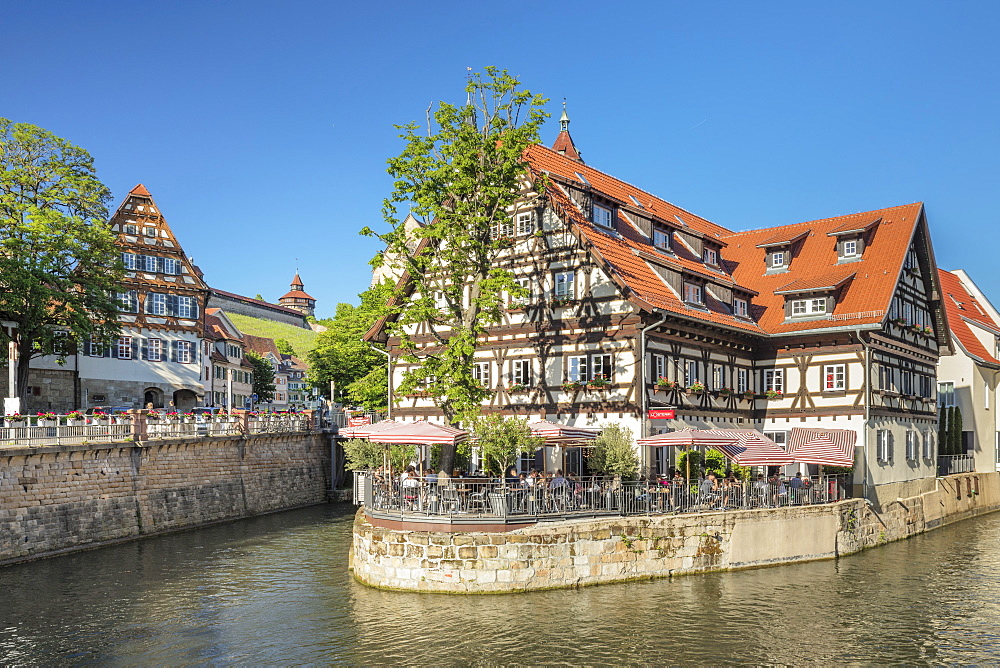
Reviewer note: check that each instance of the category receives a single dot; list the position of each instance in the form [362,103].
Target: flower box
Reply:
[599,383]
[773,394]
[518,387]
[573,386]
[696,387]
[724,392]
[749,396]
[664,384]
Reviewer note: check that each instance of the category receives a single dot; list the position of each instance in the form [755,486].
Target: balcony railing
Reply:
[952,464]
[417,498]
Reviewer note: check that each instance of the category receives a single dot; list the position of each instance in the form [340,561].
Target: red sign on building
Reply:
[661,414]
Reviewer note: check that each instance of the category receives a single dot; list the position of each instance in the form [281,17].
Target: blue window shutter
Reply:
[135,347]
[171,304]
[173,351]
[144,350]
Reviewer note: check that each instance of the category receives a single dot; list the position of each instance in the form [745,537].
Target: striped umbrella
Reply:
[752,448]
[830,447]
[419,432]
[688,438]
[560,434]
[365,430]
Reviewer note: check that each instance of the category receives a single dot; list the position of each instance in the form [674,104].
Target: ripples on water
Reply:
[275,590]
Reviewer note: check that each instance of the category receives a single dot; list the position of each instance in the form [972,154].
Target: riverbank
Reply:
[56,499]
[573,553]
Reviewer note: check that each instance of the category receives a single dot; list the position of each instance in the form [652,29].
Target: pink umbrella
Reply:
[561,434]
[752,448]
[364,431]
[419,432]
[832,447]
[687,438]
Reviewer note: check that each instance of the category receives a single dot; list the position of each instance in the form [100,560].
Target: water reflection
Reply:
[275,590]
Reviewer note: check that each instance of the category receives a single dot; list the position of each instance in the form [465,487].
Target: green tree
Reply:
[263,377]
[463,176]
[59,267]
[501,439]
[341,356]
[943,431]
[956,431]
[362,454]
[614,452]
[284,347]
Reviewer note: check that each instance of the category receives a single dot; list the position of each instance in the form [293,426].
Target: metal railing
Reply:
[476,497]
[952,464]
[65,430]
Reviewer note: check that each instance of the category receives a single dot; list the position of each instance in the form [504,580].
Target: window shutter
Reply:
[171,304]
[173,351]
[135,347]
[112,349]
[147,303]
[194,309]
[144,351]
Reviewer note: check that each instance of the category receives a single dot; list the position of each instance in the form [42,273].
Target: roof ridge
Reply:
[823,220]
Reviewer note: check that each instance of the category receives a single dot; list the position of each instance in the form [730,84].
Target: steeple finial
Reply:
[564,119]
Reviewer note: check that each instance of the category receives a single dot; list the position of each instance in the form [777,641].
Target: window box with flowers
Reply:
[748,396]
[665,384]
[697,387]
[900,321]
[15,420]
[518,388]
[562,301]
[572,386]
[773,394]
[927,331]
[516,308]
[47,419]
[74,418]
[725,391]
[599,383]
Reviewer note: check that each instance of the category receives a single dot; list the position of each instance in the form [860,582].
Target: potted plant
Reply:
[599,382]
[928,332]
[748,395]
[562,301]
[572,386]
[900,321]
[517,387]
[773,394]
[663,383]
[697,387]
[74,417]
[47,419]
[15,420]
[725,391]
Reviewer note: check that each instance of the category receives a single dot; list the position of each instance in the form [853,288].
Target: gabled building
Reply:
[156,361]
[268,350]
[298,299]
[636,304]
[228,375]
[968,379]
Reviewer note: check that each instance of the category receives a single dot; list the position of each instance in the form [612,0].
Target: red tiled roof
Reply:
[783,239]
[865,300]
[853,227]
[140,190]
[297,294]
[261,345]
[564,145]
[297,281]
[216,356]
[826,282]
[961,307]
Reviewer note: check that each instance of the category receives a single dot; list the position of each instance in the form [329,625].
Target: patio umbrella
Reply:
[689,438]
[752,448]
[831,447]
[556,434]
[365,430]
[420,432]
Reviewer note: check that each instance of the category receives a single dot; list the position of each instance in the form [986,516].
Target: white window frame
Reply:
[774,379]
[149,231]
[602,365]
[693,293]
[481,373]
[525,283]
[711,256]
[184,352]
[158,303]
[741,307]
[777,259]
[154,350]
[911,445]
[171,266]
[525,223]
[834,377]
[927,445]
[780,438]
[659,367]
[946,394]
[520,372]
[883,446]
[718,377]
[603,216]
[577,369]
[132,229]
[124,347]
[564,285]
[129,260]
[812,306]
[691,375]
[184,307]
[851,248]
[742,380]
[661,239]
[149,263]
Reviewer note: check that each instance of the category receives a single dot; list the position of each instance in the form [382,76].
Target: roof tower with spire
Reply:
[564,142]
[298,299]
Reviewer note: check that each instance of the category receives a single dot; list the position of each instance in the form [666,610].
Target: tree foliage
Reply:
[59,267]
[502,439]
[284,347]
[362,454]
[263,377]
[943,442]
[462,176]
[613,452]
[341,356]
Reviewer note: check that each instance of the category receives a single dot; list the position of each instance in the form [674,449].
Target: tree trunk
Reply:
[23,364]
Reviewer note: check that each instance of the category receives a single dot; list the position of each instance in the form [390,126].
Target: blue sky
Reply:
[262,128]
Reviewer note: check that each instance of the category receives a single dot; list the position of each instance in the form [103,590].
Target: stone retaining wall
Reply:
[580,552]
[56,499]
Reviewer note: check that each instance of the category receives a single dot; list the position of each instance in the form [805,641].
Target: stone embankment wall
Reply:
[593,551]
[61,498]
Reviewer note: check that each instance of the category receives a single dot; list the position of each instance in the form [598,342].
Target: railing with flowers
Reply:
[76,428]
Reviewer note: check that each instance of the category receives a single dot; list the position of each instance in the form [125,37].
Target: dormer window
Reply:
[741,307]
[693,294]
[711,257]
[778,259]
[851,248]
[602,216]
[802,307]
[662,239]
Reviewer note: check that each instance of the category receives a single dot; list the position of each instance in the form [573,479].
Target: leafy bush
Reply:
[501,439]
[614,452]
[363,454]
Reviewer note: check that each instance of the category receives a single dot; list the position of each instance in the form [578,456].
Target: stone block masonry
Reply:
[577,552]
[56,499]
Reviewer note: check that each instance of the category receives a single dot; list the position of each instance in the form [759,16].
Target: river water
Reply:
[275,590]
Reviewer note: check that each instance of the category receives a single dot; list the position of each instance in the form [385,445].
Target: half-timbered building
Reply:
[156,359]
[636,304]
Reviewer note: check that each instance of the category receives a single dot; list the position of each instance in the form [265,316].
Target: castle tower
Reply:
[296,298]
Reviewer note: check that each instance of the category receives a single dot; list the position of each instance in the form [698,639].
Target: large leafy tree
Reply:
[502,439]
[462,176]
[263,377]
[59,267]
[613,452]
[341,356]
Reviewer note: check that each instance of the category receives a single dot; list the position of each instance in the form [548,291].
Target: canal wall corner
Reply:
[64,498]
[580,552]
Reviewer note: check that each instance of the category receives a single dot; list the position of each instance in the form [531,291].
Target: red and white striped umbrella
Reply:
[420,432]
[688,438]
[366,430]
[561,434]
[752,448]
[830,447]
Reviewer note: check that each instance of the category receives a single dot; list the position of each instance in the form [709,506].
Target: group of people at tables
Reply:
[552,491]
